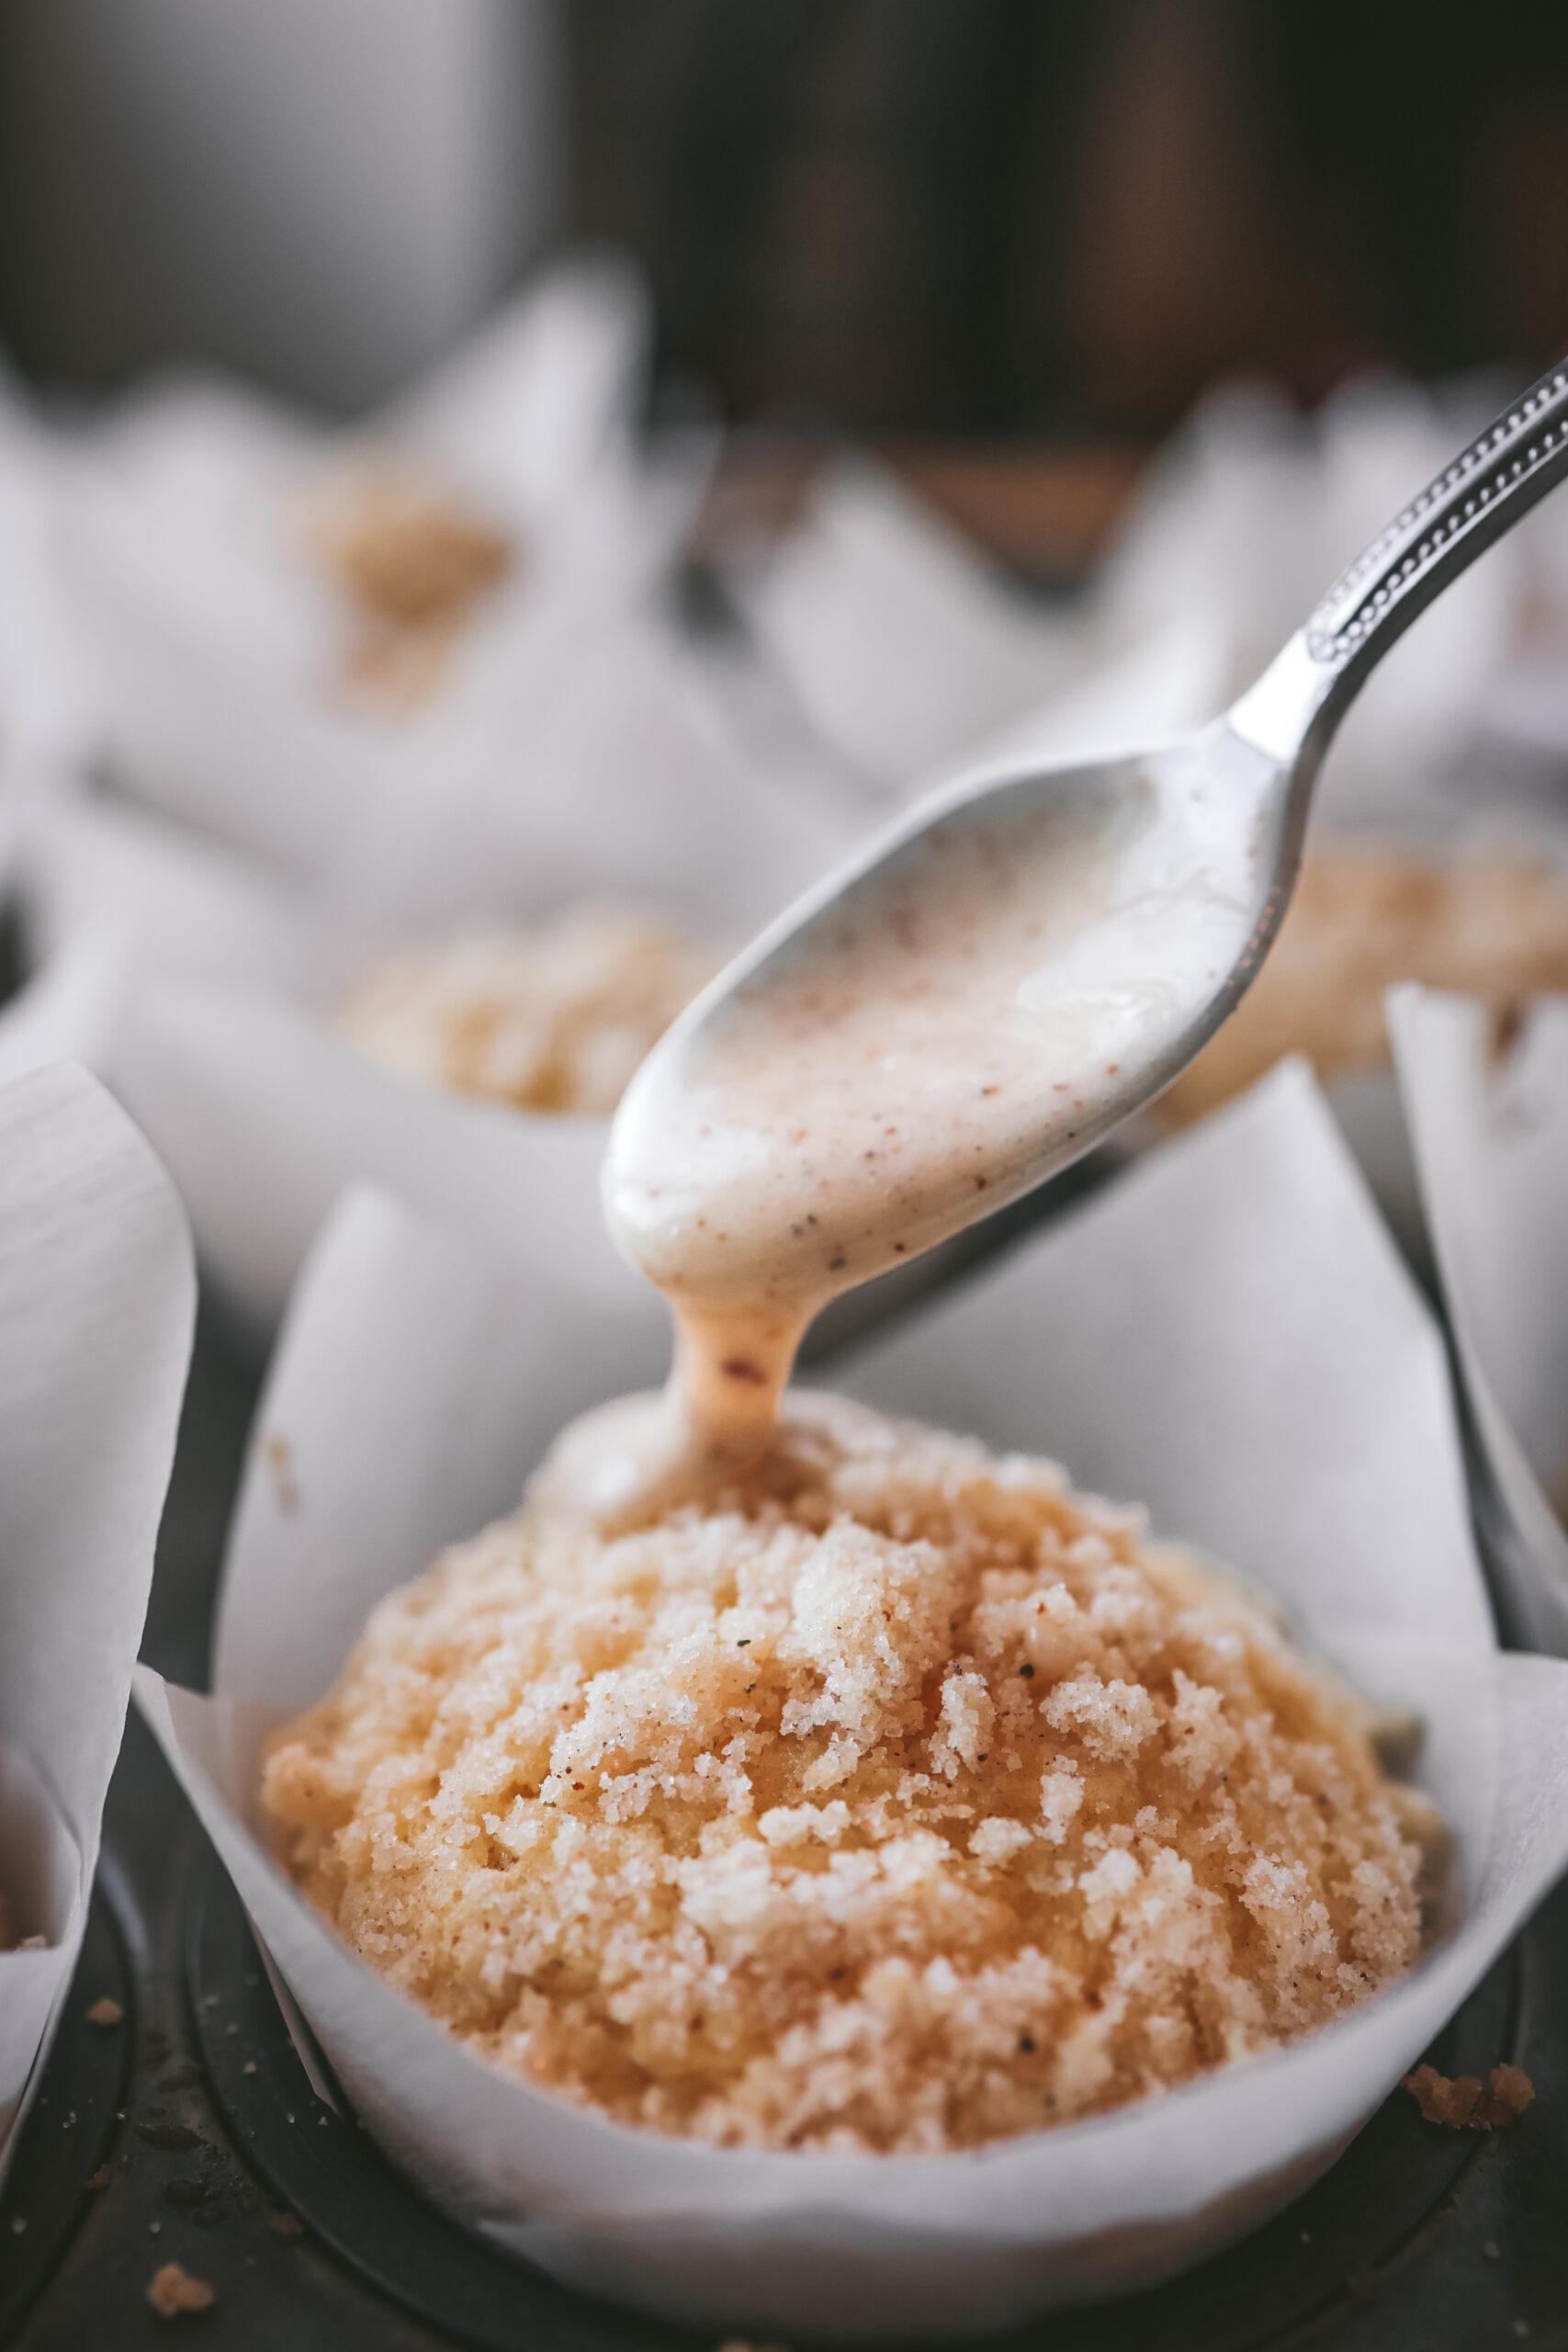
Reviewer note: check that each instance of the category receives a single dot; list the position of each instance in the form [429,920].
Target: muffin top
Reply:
[555,1019]
[894,1799]
[1362,920]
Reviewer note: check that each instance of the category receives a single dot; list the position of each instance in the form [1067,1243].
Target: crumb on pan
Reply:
[10,1940]
[1361,920]
[1466,2102]
[175,2291]
[556,1019]
[901,1800]
[104,2012]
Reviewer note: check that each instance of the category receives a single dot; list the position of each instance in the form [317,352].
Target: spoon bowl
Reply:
[1022,963]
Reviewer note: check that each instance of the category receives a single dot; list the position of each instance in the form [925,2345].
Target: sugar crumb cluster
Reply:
[900,1800]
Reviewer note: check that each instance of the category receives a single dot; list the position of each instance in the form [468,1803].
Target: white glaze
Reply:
[968,1013]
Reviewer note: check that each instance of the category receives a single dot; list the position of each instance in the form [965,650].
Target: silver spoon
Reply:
[1022,964]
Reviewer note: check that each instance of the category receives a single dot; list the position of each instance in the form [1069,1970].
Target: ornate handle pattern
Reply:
[1472,502]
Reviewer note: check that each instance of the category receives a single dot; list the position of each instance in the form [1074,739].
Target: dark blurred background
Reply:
[997,218]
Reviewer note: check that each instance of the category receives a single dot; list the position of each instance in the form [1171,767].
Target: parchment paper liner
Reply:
[198,985]
[1249,514]
[1491,1141]
[1228,1330]
[45,699]
[96,1300]
[218,646]
[264,1114]
[904,646]
[908,651]
[111,900]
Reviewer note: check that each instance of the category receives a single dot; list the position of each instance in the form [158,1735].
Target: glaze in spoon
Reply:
[1020,965]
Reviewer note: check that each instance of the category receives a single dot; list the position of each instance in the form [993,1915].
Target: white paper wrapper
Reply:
[1250,514]
[111,900]
[1492,1149]
[525,411]
[97,1300]
[205,995]
[219,646]
[1228,1332]
[47,707]
[617,773]
[263,1115]
[910,655]
[1165,682]
[904,647]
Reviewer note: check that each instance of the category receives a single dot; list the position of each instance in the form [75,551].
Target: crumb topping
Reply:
[413,564]
[1361,921]
[556,1019]
[900,1800]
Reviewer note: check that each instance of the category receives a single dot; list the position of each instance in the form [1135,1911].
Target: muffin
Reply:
[556,1019]
[896,1799]
[1361,921]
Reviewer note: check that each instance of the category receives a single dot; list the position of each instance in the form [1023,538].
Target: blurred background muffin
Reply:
[555,1019]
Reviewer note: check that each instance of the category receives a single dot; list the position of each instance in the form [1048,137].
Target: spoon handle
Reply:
[1483,493]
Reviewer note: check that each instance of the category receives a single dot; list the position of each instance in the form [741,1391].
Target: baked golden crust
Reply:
[900,1800]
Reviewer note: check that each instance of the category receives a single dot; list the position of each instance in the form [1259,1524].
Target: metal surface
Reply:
[1483,493]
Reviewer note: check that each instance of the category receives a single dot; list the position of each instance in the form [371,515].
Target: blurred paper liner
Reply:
[217,643]
[47,706]
[1228,1333]
[264,1114]
[590,756]
[96,1302]
[1488,1117]
[910,652]
[106,900]
[200,987]
[903,646]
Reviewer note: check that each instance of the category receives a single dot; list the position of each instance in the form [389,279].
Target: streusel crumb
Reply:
[408,554]
[414,565]
[900,1800]
[551,1020]
[1465,2102]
